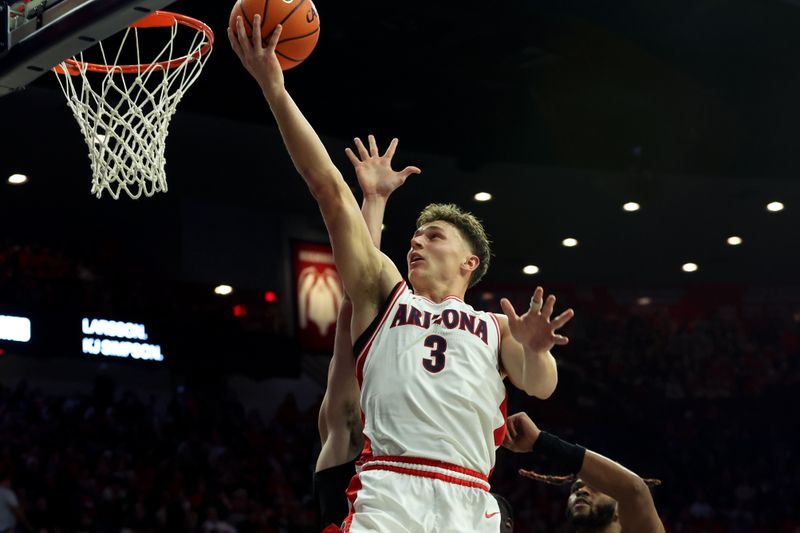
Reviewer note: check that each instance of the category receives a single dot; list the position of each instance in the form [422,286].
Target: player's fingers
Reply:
[406,172]
[392,147]
[273,39]
[352,157]
[538,294]
[536,300]
[511,429]
[362,150]
[235,43]
[257,43]
[373,146]
[547,308]
[560,340]
[508,309]
[241,35]
[508,440]
[562,319]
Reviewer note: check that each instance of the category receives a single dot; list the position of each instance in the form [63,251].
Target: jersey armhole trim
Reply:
[358,346]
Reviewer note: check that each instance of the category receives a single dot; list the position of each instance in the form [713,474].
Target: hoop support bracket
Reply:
[29,53]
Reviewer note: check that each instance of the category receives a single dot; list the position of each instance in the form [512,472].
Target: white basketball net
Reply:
[124,117]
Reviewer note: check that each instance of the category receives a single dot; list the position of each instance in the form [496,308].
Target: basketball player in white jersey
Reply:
[340,414]
[431,368]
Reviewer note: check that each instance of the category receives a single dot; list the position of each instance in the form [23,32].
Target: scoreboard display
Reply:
[89,336]
[186,342]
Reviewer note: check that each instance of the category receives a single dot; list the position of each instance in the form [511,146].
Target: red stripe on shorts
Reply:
[427,462]
[425,473]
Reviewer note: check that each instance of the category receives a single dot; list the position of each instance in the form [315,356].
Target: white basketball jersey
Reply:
[430,382]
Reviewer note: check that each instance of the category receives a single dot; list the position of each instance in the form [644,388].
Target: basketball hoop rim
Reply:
[156,19]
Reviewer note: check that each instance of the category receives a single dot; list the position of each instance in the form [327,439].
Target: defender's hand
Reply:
[521,433]
[374,171]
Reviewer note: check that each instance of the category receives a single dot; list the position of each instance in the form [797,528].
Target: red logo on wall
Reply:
[318,294]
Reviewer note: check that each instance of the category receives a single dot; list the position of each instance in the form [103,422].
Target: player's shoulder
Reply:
[501,317]
[502,322]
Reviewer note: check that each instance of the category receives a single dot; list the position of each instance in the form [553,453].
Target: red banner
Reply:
[318,294]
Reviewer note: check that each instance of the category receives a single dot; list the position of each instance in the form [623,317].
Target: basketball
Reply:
[299,20]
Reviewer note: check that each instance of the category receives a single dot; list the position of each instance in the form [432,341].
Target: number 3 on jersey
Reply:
[434,362]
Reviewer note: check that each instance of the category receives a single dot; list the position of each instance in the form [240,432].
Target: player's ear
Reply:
[471,263]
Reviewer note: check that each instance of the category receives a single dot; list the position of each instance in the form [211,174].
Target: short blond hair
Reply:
[470,228]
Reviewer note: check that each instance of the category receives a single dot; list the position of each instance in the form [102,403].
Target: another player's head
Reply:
[449,244]
[506,514]
[591,510]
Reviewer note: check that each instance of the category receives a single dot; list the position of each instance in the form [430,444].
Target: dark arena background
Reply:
[135,398]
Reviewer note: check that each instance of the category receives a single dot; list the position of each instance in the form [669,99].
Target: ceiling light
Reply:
[690,267]
[223,290]
[17,179]
[644,300]
[482,197]
[570,242]
[734,240]
[530,270]
[631,207]
[775,207]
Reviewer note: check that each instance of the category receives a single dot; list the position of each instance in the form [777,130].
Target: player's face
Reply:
[587,507]
[437,253]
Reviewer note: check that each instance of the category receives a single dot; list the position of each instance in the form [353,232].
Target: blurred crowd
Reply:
[118,462]
[699,400]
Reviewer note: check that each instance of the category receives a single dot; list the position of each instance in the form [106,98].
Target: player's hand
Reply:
[260,61]
[534,329]
[521,433]
[374,171]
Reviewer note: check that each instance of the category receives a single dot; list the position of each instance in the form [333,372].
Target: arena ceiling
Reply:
[562,110]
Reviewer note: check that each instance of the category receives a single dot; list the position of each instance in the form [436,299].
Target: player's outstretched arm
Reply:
[362,267]
[526,343]
[637,511]
[340,415]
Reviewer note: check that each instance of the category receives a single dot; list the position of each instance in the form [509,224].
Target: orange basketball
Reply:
[299,20]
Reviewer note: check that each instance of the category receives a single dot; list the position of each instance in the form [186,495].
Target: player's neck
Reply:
[438,292]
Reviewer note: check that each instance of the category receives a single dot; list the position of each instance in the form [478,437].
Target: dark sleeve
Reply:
[362,339]
[330,487]
[553,456]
